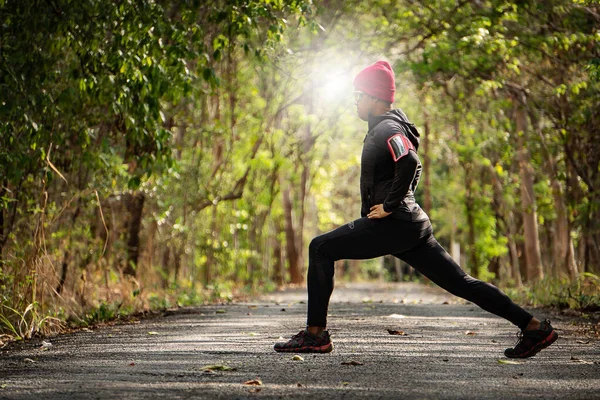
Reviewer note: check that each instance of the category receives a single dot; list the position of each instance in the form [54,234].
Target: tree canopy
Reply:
[154,153]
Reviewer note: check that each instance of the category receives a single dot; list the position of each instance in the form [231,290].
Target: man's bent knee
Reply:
[316,243]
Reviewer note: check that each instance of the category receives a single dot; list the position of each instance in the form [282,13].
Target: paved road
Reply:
[435,359]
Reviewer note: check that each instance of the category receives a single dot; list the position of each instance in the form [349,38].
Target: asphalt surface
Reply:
[446,351]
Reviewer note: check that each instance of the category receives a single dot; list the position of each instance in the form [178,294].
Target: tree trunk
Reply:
[165,266]
[399,271]
[67,255]
[340,269]
[354,266]
[427,202]
[290,236]
[591,260]
[454,245]
[177,264]
[302,211]
[252,266]
[470,207]
[278,256]
[528,203]
[514,258]
[562,248]
[470,204]
[210,253]
[135,206]
[506,215]
[564,253]
[575,195]
[150,241]
[64,268]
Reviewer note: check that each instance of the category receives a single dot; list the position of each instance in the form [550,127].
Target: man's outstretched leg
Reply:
[360,239]
[532,340]
[430,259]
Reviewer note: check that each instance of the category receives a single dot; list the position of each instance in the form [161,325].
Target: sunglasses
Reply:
[358,95]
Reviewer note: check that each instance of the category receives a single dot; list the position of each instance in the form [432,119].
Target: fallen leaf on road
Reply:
[29,360]
[398,316]
[509,362]
[494,341]
[470,333]
[579,360]
[252,307]
[399,333]
[3,386]
[351,362]
[255,382]
[367,300]
[153,333]
[217,368]
[221,311]
[446,302]
[345,383]
[253,334]
[297,358]
[582,342]
[132,364]
[299,384]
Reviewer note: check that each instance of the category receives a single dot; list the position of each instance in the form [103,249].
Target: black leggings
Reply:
[412,242]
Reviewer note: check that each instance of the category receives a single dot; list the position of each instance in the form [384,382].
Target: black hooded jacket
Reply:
[390,167]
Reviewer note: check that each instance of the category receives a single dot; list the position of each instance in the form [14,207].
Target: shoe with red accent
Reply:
[306,342]
[531,342]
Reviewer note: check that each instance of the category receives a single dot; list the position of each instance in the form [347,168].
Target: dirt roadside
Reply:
[446,351]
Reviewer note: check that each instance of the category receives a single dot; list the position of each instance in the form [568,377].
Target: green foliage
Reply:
[211,111]
[581,294]
[90,95]
[104,312]
[26,324]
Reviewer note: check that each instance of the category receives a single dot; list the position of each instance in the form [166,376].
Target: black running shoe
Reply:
[306,342]
[531,342]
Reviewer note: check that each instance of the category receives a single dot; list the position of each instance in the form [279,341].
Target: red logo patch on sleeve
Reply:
[399,146]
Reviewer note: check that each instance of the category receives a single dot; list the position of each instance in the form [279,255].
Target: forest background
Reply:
[166,153]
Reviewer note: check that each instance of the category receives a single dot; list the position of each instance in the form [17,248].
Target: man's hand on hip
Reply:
[378,212]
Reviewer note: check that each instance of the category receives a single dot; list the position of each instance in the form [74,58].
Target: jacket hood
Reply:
[397,115]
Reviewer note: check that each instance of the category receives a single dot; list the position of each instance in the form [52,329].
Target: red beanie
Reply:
[377,80]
